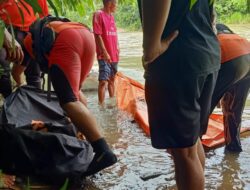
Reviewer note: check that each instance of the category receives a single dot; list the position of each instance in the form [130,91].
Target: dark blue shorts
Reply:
[178,109]
[107,70]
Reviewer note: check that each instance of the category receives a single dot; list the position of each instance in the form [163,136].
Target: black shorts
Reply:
[232,73]
[178,109]
[61,85]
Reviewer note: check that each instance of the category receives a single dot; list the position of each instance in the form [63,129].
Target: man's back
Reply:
[196,49]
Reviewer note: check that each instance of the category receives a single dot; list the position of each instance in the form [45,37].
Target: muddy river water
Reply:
[141,167]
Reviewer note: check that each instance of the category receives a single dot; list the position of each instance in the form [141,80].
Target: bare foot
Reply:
[7,181]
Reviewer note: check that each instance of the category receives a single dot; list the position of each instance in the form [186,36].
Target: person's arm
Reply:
[14,53]
[100,44]
[16,72]
[154,18]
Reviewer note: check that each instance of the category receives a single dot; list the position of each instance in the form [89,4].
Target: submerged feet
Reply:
[6,181]
[233,147]
[100,161]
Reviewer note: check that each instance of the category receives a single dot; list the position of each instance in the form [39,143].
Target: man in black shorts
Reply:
[181,60]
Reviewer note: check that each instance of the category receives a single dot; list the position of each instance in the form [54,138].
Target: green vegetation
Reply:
[233,11]
[65,185]
[27,187]
[127,16]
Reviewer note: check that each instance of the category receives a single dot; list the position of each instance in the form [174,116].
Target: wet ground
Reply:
[141,167]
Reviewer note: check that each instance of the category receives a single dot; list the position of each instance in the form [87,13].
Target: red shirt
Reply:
[57,26]
[104,25]
[11,8]
[232,46]
[44,6]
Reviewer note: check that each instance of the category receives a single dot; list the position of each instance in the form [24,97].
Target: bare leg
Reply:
[7,181]
[83,120]
[16,72]
[82,98]
[201,153]
[101,91]
[111,87]
[86,123]
[188,168]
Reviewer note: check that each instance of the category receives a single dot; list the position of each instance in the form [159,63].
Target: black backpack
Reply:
[43,39]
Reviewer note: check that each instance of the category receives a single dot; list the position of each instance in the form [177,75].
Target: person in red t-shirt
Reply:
[69,62]
[10,14]
[233,82]
[106,47]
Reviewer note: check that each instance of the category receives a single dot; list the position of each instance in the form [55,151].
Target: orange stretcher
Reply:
[130,97]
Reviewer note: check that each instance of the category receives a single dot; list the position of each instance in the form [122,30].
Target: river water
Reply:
[141,167]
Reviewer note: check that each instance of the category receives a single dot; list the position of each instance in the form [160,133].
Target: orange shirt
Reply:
[11,9]
[232,46]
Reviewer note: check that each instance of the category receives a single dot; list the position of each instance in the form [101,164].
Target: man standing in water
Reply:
[106,47]
[181,57]
[233,83]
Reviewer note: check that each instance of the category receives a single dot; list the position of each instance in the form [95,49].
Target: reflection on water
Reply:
[141,167]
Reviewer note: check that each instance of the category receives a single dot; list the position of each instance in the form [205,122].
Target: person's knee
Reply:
[103,83]
[111,80]
[184,154]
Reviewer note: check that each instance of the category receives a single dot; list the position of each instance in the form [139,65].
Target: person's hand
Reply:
[14,51]
[151,52]
[106,57]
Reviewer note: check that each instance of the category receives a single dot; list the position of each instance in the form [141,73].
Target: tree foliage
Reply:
[127,15]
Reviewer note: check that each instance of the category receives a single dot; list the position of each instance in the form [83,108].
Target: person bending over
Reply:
[69,62]
[232,86]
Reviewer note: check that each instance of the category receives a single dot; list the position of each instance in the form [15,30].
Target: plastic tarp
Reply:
[130,97]
[53,154]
